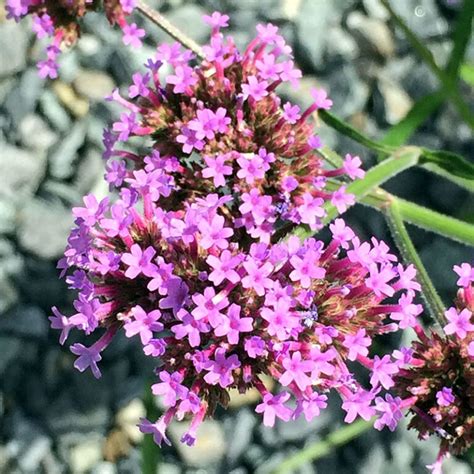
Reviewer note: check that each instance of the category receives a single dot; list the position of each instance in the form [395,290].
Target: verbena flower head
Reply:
[60,21]
[227,131]
[440,376]
[189,258]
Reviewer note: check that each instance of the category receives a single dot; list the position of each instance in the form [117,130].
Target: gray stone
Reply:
[24,321]
[35,133]
[348,92]
[85,454]
[8,292]
[7,216]
[239,430]
[54,112]
[21,172]
[371,33]
[421,16]
[189,18]
[300,429]
[375,9]
[375,460]
[210,446]
[11,347]
[23,97]
[341,45]
[13,44]
[94,85]
[104,468]
[65,154]
[90,171]
[44,227]
[395,102]
[312,23]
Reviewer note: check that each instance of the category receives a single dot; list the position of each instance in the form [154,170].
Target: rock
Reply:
[128,418]
[372,33]
[239,430]
[104,468]
[341,46]
[291,8]
[188,17]
[7,216]
[375,9]
[53,111]
[35,133]
[21,173]
[93,85]
[396,103]
[90,172]
[13,44]
[300,429]
[11,347]
[168,468]
[8,292]
[210,446]
[22,99]
[421,16]
[25,321]
[312,25]
[43,228]
[84,455]
[375,460]
[78,106]
[64,155]
[347,91]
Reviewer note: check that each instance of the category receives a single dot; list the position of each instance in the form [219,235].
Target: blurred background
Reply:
[55,420]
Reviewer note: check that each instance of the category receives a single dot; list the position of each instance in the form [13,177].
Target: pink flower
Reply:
[445,397]
[306,269]
[217,169]
[207,309]
[389,412]
[139,261]
[216,20]
[182,79]
[254,88]
[132,35]
[256,277]
[251,168]
[321,99]
[296,370]
[214,233]
[232,325]
[378,280]
[341,233]
[359,404]
[407,312]
[88,358]
[459,323]
[352,167]
[143,323]
[342,200]
[220,369]
[382,370]
[357,344]
[273,406]
[466,274]
[223,267]
[291,113]
[170,388]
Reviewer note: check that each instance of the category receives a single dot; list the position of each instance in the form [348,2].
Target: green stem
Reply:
[410,255]
[332,121]
[321,448]
[403,159]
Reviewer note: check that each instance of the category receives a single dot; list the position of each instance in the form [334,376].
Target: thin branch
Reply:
[169,28]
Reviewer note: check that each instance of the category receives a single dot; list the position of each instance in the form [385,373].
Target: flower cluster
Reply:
[189,257]
[440,375]
[59,20]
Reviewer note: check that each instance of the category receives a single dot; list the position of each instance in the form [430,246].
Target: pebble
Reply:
[35,133]
[86,454]
[43,228]
[93,85]
[210,446]
[396,102]
[372,33]
[25,321]
[13,44]
[240,430]
[128,418]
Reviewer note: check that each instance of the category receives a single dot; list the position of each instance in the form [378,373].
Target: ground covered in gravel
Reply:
[54,419]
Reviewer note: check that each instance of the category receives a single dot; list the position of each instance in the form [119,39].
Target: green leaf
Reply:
[467,73]
[319,449]
[451,162]
[350,132]
[461,37]
[400,133]
[467,184]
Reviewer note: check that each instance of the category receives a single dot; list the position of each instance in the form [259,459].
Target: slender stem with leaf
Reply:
[410,255]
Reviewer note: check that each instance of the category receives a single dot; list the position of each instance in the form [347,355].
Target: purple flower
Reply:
[126,126]
[352,167]
[257,276]
[465,273]
[306,269]
[291,113]
[93,210]
[321,100]
[378,280]
[143,323]
[216,20]
[190,328]
[220,369]
[342,200]
[254,88]
[273,406]
[170,388]
[132,35]
[357,344]
[232,325]
[254,346]
[182,79]
[88,358]
[139,261]
[157,429]
[207,309]
[382,370]
[445,397]
[296,370]
[177,291]
[358,404]
[388,412]
[214,234]
[217,169]
[251,168]
[59,321]
[407,312]
[140,85]
[311,406]
[223,267]
[459,322]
